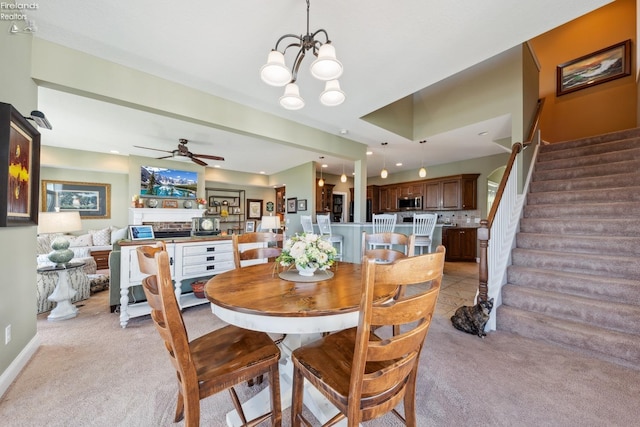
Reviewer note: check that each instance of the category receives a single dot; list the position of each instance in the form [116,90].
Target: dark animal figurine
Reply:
[472,319]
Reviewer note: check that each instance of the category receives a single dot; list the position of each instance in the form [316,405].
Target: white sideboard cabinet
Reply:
[188,259]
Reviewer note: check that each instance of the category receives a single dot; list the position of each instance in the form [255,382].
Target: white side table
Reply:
[63,293]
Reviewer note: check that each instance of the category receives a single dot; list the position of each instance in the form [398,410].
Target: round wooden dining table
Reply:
[258,298]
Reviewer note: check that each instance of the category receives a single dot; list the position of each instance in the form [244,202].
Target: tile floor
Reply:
[459,286]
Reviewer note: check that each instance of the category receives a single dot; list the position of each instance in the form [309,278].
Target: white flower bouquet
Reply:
[308,251]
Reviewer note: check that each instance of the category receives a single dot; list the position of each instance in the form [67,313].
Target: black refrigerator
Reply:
[369,210]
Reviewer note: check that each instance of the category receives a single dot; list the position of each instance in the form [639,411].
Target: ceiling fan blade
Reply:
[165,157]
[156,149]
[206,156]
[198,161]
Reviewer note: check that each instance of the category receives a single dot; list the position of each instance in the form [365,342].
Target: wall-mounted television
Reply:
[163,182]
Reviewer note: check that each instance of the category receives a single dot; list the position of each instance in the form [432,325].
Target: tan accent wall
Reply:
[603,108]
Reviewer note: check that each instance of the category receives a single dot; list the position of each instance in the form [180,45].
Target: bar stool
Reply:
[307,224]
[324,224]
[383,223]
[423,226]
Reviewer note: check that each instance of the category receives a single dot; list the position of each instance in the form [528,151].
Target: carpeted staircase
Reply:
[575,278]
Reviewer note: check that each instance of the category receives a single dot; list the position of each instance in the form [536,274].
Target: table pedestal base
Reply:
[62,295]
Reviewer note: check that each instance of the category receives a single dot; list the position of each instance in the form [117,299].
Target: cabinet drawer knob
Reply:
[211,249]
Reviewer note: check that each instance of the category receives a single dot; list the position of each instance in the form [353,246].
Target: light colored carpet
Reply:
[90,372]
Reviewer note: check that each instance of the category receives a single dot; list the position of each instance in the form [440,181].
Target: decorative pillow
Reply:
[43,245]
[83,240]
[118,234]
[81,252]
[101,237]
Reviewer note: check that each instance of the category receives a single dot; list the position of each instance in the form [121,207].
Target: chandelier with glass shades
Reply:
[326,68]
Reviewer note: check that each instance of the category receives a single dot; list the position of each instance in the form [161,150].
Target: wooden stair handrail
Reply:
[485,224]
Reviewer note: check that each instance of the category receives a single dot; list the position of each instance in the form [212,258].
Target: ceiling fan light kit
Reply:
[326,68]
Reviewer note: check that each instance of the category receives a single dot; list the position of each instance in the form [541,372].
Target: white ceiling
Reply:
[389,50]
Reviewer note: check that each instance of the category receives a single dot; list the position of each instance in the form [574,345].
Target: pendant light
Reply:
[343,177]
[321,181]
[384,172]
[422,172]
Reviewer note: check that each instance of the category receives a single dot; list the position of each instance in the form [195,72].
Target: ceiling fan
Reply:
[183,151]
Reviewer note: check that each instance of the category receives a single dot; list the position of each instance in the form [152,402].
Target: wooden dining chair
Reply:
[216,361]
[255,248]
[382,244]
[365,375]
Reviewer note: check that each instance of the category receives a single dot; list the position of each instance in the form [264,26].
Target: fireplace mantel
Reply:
[138,216]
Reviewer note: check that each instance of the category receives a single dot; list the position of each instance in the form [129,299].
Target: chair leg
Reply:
[276,405]
[179,409]
[297,392]
[410,401]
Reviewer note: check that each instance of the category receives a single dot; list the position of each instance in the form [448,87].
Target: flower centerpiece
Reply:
[308,252]
[202,203]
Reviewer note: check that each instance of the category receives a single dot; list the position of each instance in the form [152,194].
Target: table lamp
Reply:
[270,223]
[59,222]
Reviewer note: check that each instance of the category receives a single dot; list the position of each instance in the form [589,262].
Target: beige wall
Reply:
[599,109]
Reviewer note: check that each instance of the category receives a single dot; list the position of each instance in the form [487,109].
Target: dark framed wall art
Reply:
[254,208]
[19,169]
[595,68]
[91,199]
[292,205]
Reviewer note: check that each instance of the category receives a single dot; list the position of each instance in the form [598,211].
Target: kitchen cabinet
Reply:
[460,243]
[388,197]
[324,198]
[410,190]
[451,193]
[188,260]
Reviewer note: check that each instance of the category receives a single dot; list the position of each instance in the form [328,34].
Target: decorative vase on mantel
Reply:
[305,271]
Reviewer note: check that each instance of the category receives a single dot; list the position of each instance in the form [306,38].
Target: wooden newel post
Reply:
[483,273]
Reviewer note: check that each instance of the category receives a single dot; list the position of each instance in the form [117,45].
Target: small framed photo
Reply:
[141,232]
[170,204]
[250,227]
[302,205]
[292,205]
[598,67]
[254,208]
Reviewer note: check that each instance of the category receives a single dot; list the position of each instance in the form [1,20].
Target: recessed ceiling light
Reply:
[399,164]
[262,172]
[343,131]
[325,165]
[369,152]
[114,152]
[216,166]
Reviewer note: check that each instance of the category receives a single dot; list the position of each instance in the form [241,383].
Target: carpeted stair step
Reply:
[562,151]
[584,285]
[604,314]
[595,264]
[584,210]
[563,243]
[624,194]
[615,346]
[591,140]
[582,226]
[592,160]
[593,171]
[587,183]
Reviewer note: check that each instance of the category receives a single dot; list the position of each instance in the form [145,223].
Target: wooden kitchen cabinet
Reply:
[451,193]
[388,199]
[410,190]
[460,243]
[324,198]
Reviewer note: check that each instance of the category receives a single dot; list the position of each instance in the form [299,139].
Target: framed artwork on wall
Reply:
[250,227]
[91,199]
[19,169]
[254,208]
[292,205]
[302,205]
[595,68]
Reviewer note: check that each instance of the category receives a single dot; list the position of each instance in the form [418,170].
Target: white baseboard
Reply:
[18,364]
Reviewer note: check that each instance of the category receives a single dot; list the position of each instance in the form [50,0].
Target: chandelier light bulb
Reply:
[332,95]
[291,100]
[326,67]
[422,172]
[321,182]
[384,173]
[275,72]
[343,177]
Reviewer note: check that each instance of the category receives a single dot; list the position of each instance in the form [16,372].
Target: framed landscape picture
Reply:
[254,208]
[19,169]
[595,68]
[91,199]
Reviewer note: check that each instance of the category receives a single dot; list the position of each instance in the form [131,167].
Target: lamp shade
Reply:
[326,67]
[422,172]
[332,95]
[291,100]
[275,72]
[59,222]
[270,223]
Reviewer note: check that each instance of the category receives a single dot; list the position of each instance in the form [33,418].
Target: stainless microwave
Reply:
[411,203]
